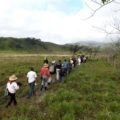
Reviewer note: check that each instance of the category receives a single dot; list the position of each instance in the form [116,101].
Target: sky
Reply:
[57,21]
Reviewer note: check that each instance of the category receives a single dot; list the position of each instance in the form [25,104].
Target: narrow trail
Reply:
[37,98]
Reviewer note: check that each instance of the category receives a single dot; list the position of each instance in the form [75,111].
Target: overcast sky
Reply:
[58,21]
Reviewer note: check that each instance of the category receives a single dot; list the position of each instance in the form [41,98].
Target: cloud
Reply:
[58,21]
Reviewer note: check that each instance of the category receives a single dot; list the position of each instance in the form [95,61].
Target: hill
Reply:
[29,45]
[91,43]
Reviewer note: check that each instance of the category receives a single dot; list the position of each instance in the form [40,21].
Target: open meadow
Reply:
[90,92]
[19,64]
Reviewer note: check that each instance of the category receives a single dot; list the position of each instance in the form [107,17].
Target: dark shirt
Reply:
[58,66]
[62,72]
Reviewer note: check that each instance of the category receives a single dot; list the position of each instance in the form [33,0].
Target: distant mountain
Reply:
[29,45]
[90,43]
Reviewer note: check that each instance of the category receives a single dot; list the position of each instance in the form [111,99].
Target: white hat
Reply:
[12,78]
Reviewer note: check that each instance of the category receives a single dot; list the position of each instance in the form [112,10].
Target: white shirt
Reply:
[71,61]
[12,87]
[31,76]
[79,60]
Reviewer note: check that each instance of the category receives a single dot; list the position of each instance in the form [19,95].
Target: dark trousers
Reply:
[32,89]
[12,99]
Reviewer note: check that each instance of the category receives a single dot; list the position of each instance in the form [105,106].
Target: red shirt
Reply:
[44,72]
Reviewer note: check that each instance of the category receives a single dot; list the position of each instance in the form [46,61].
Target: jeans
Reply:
[44,82]
[62,79]
[32,89]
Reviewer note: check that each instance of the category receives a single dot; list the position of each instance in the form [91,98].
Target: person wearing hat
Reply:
[44,73]
[12,86]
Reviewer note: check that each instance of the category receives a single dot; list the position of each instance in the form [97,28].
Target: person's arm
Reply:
[40,73]
[35,75]
[27,75]
[16,86]
[48,73]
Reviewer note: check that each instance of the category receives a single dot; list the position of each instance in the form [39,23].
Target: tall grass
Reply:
[90,92]
[20,65]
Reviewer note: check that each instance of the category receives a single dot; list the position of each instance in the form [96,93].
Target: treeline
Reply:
[34,45]
[29,45]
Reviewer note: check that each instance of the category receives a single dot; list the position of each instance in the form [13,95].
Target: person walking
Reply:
[31,75]
[71,62]
[69,66]
[45,60]
[79,60]
[44,73]
[65,66]
[12,86]
[62,73]
[58,68]
[52,72]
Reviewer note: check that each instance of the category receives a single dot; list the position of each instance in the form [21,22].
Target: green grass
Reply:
[19,65]
[90,92]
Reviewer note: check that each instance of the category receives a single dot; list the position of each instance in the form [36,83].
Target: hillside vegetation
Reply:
[30,45]
[90,92]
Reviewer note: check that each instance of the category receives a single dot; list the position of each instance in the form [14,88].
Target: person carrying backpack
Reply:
[65,66]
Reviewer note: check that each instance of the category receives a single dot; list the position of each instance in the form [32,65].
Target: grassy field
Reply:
[90,92]
[20,64]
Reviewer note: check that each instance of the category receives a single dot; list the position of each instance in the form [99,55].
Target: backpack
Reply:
[6,91]
[51,69]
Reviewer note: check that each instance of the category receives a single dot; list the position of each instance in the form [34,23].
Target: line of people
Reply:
[49,73]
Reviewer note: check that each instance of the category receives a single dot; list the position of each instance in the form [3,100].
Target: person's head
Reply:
[32,69]
[59,61]
[45,65]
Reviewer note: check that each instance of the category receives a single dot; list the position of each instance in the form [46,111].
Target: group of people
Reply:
[48,74]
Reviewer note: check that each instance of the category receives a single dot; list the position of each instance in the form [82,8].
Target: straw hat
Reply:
[12,77]
[45,65]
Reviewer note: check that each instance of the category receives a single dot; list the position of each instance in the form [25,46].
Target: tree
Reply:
[105,1]
[101,4]
[112,28]
[74,49]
